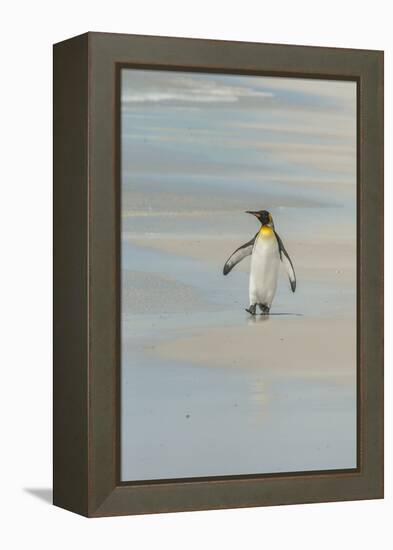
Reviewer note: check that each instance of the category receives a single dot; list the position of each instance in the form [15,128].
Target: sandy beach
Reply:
[206,390]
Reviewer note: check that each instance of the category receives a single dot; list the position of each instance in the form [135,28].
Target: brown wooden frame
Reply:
[86,274]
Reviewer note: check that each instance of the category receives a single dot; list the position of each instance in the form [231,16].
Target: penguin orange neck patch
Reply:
[266,231]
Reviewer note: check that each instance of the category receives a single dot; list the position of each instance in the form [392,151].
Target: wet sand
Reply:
[208,390]
[205,389]
[273,342]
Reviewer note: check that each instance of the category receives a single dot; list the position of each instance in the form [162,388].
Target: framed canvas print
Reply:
[218,274]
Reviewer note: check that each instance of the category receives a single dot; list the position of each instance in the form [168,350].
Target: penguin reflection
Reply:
[266,249]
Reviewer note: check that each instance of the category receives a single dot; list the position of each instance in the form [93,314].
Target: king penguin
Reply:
[267,250]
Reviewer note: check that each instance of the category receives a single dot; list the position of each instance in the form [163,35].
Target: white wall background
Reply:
[27,31]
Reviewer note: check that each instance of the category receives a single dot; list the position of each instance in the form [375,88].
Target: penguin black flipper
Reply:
[238,255]
[286,260]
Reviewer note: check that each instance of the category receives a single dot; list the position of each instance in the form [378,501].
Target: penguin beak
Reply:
[253,213]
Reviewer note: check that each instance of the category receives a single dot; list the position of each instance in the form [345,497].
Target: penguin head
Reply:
[263,216]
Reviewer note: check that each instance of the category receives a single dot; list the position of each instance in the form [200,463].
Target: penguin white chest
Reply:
[265,261]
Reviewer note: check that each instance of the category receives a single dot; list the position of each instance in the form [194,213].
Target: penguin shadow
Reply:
[263,317]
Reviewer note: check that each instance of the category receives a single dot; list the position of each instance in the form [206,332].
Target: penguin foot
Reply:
[264,309]
[252,309]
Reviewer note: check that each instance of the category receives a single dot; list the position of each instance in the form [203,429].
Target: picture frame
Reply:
[86,385]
